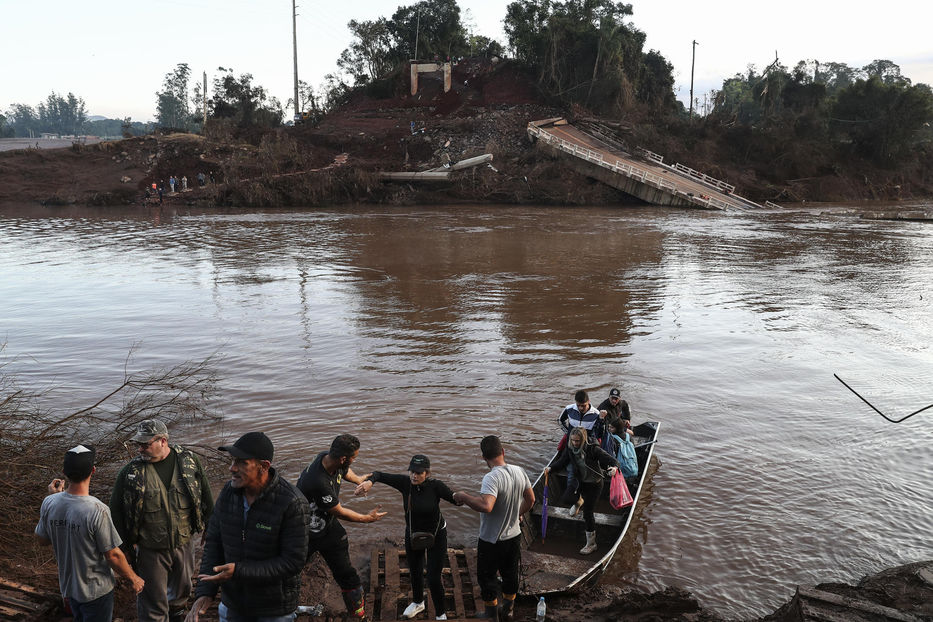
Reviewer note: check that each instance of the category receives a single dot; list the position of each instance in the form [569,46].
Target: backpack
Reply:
[625,456]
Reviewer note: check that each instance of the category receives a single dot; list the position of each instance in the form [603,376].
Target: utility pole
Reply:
[417,30]
[204,101]
[692,63]
[295,58]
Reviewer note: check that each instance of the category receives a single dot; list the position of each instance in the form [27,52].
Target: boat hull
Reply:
[553,564]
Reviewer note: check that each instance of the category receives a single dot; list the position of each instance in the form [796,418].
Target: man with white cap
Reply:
[256,541]
[86,544]
[160,501]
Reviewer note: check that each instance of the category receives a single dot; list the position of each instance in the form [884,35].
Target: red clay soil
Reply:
[486,111]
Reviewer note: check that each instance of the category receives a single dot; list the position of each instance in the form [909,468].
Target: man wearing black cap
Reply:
[614,406]
[320,483]
[256,541]
[159,502]
[421,495]
[86,544]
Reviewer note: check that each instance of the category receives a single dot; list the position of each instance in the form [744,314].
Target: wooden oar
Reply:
[875,409]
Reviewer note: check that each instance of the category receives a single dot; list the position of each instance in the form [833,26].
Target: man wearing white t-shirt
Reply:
[505,495]
[86,544]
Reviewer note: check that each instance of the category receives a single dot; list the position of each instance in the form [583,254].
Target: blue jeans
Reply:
[228,615]
[97,610]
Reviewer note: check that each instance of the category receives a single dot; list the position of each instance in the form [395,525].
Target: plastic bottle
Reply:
[541,611]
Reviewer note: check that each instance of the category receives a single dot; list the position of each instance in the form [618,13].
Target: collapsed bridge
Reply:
[646,178]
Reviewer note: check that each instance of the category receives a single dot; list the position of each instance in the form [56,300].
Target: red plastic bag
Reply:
[619,495]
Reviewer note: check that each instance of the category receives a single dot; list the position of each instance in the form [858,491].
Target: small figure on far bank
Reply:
[171,184]
[211,175]
[184,183]
[201,179]
[160,192]
[160,501]
[505,495]
[84,539]
[257,561]
[421,498]
[320,483]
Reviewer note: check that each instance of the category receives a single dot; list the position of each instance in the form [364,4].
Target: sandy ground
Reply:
[8,144]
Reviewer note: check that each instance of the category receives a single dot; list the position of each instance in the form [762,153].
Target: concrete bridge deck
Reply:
[648,179]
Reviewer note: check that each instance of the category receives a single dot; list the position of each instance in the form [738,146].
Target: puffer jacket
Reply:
[269,548]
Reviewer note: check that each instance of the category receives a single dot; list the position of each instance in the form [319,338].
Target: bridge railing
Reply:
[627,169]
[689,172]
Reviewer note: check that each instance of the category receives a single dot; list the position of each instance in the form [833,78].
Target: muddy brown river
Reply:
[423,329]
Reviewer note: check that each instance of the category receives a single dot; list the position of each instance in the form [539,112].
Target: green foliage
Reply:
[372,53]
[436,26]
[56,115]
[308,102]
[430,29]
[656,82]
[242,102]
[872,112]
[62,115]
[124,128]
[172,109]
[881,117]
[6,130]
[584,52]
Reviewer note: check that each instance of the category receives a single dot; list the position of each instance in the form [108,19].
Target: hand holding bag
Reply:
[619,495]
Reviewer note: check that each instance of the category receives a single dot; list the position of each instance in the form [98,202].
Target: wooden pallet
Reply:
[812,605]
[24,603]
[390,586]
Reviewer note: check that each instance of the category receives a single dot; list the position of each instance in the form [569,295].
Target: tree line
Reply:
[63,116]
[584,53]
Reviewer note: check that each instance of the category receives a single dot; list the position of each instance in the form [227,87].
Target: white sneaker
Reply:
[412,610]
[443,616]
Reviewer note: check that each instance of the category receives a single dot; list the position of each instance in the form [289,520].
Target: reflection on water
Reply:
[422,330]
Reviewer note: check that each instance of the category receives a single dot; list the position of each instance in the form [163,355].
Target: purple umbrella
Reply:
[544,508]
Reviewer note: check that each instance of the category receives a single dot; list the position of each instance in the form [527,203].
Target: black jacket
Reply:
[424,503]
[269,548]
[594,457]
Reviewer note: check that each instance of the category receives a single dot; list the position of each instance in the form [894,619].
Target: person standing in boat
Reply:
[421,497]
[589,461]
[505,495]
[614,407]
[580,414]
[610,409]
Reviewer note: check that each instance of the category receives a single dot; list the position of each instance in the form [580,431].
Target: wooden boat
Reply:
[553,564]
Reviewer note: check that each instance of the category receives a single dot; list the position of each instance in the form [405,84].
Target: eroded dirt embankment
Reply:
[337,161]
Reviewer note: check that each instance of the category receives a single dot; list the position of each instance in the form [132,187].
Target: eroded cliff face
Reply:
[387,129]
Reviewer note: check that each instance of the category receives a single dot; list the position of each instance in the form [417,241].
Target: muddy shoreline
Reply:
[338,161]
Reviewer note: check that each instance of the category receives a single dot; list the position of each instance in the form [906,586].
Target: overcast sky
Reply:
[115,54]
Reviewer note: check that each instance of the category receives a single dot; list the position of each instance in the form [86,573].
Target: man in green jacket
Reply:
[160,500]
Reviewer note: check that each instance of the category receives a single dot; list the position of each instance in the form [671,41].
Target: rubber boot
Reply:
[356,608]
[507,613]
[491,613]
[590,543]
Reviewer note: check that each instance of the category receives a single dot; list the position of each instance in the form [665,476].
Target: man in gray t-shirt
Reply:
[505,495]
[85,542]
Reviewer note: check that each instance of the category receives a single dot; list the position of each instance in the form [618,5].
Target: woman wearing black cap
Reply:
[421,497]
